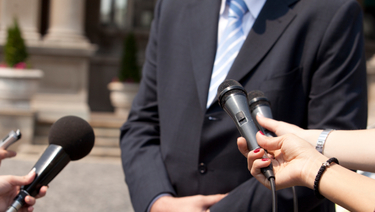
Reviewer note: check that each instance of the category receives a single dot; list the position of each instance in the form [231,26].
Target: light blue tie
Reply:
[229,46]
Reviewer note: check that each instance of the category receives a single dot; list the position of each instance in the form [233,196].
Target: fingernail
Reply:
[265,159]
[256,150]
[261,132]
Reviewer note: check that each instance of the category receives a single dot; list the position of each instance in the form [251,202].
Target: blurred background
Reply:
[87,56]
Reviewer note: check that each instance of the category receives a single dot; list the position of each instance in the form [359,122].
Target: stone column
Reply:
[27,14]
[66,24]
[64,56]
[371,91]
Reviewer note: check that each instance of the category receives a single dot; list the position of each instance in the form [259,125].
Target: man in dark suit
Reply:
[307,56]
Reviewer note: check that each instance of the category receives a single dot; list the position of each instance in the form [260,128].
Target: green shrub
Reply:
[15,48]
[129,69]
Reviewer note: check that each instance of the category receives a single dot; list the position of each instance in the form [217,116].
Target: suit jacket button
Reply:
[202,168]
[211,118]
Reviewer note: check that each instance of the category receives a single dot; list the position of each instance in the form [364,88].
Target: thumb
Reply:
[213,199]
[22,180]
[269,143]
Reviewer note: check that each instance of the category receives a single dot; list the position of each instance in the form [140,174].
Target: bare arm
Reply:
[296,162]
[353,148]
[197,203]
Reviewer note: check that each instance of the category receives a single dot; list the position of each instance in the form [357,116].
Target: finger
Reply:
[213,199]
[269,143]
[267,123]
[256,170]
[254,155]
[242,146]
[42,192]
[26,209]
[7,153]
[30,200]
[22,180]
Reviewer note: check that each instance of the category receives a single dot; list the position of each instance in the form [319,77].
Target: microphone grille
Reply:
[228,87]
[227,83]
[257,98]
[255,94]
[74,135]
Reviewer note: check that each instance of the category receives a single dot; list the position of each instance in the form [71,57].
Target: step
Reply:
[34,149]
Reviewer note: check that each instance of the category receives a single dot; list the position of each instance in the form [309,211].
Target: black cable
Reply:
[274,196]
[295,200]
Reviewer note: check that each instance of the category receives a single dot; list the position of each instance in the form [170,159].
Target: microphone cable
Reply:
[274,195]
[295,200]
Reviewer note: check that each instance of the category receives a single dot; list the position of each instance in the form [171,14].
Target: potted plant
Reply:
[18,83]
[125,86]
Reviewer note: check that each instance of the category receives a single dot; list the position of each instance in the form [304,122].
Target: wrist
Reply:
[311,169]
[311,136]
[161,203]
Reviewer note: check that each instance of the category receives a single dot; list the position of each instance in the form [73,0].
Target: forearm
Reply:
[342,186]
[354,149]
[350,147]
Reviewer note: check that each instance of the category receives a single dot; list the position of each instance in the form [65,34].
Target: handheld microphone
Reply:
[233,99]
[259,104]
[70,138]
[10,139]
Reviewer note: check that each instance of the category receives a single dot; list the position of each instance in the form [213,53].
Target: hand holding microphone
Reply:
[10,186]
[8,140]
[70,138]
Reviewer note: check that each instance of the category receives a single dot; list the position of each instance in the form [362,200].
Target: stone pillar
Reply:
[66,24]
[27,14]
[64,56]
[371,92]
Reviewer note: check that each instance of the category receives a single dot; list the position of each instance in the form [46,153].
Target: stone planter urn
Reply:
[17,87]
[122,95]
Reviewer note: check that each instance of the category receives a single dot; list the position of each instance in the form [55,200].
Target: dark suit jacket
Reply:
[307,57]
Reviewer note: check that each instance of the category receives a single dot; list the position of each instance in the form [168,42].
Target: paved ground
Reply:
[86,185]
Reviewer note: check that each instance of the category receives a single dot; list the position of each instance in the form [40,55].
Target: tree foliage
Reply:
[15,48]
[129,69]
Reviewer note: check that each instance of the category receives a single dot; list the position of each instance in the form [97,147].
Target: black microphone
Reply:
[70,138]
[259,104]
[233,99]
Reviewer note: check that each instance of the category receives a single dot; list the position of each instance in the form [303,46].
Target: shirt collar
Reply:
[255,6]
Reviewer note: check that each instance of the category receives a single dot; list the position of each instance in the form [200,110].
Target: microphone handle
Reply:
[248,130]
[18,202]
[264,110]
[50,163]
[267,171]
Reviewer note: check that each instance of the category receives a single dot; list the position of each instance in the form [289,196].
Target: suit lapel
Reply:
[204,16]
[270,24]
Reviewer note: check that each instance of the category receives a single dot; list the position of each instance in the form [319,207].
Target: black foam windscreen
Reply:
[74,135]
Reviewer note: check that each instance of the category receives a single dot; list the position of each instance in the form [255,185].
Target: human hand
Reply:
[282,128]
[197,203]
[6,154]
[295,162]
[10,186]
